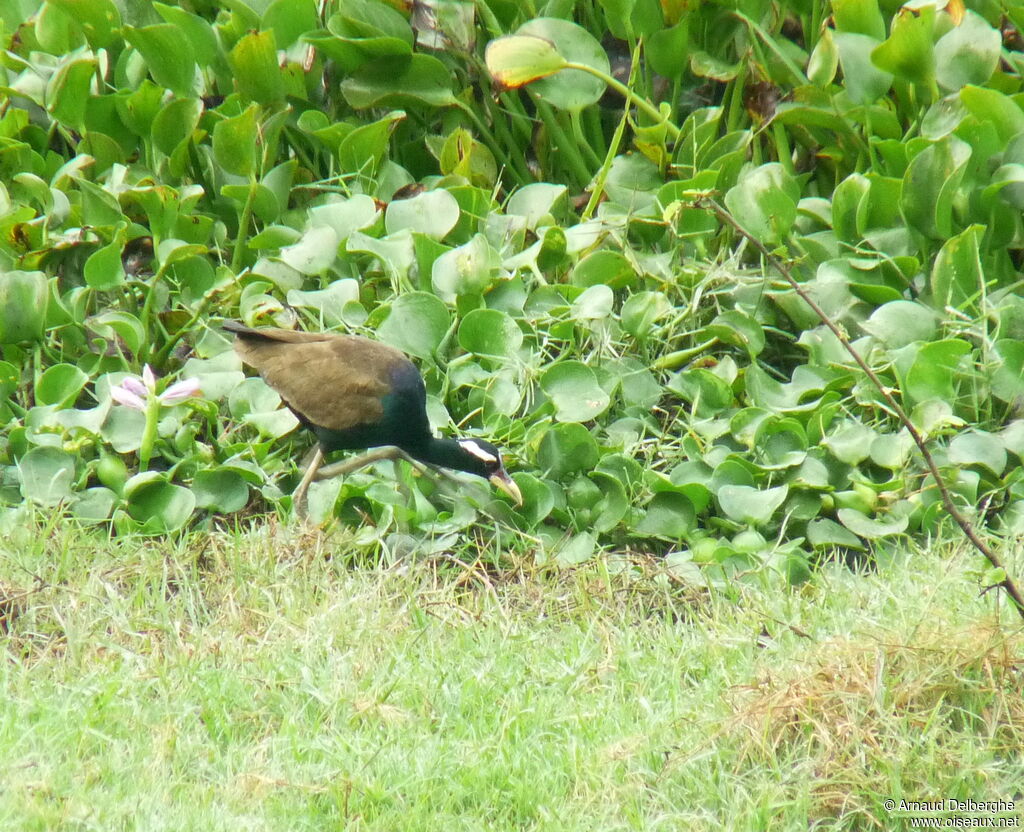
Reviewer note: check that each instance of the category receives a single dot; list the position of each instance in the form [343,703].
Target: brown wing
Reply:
[334,381]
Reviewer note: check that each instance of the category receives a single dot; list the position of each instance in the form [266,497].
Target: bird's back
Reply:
[341,384]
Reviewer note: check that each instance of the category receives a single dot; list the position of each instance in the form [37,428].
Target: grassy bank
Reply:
[260,680]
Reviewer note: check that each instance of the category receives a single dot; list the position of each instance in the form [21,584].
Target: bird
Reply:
[354,393]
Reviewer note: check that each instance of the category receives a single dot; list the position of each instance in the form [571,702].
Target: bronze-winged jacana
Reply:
[356,393]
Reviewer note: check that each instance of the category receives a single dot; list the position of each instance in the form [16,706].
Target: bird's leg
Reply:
[299,497]
[347,466]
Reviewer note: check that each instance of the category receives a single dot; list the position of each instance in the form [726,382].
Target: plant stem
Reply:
[640,103]
[150,431]
[243,227]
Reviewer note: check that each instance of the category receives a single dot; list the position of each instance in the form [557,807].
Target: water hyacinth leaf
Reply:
[823,533]
[538,499]
[933,373]
[958,275]
[330,302]
[570,89]
[1007,378]
[314,253]
[403,83]
[901,322]
[157,504]
[979,447]
[10,378]
[577,549]
[930,185]
[752,506]
[824,60]
[433,213]
[566,449]
[642,310]
[94,505]
[168,54]
[613,504]
[537,203]
[257,404]
[490,332]
[669,514]
[909,52]
[220,489]
[862,525]
[23,301]
[99,19]
[864,81]
[46,475]
[739,329]
[993,107]
[594,303]
[416,324]
[258,77]
[764,201]
[234,142]
[968,53]
[104,269]
[60,385]
[850,441]
[466,270]
[67,93]
[707,393]
[860,16]
[608,268]
[574,389]
[780,443]
[515,60]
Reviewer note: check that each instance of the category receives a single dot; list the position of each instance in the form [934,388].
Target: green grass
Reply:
[259,680]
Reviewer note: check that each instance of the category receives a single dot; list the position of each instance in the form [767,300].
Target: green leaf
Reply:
[865,83]
[749,505]
[23,301]
[257,74]
[930,185]
[764,201]
[433,213]
[67,94]
[466,270]
[167,53]
[515,60]
[234,142]
[99,19]
[417,324]
[490,332]
[968,53]
[573,388]
[825,533]
[669,514]
[933,373]
[578,549]
[978,447]
[901,322]
[642,310]
[860,524]
[566,449]
[909,53]
[220,489]
[46,475]
[157,504]
[862,16]
[60,385]
[957,274]
[404,83]
[570,89]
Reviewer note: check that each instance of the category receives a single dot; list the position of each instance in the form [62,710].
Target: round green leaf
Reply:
[669,514]
[566,449]
[764,201]
[515,60]
[490,332]
[94,505]
[433,213]
[573,388]
[752,506]
[860,524]
[168,54]
[901,322]
[220,489]
[46,475]
[157,504]
[60,385]
[968,53]
[642,310]
[416,325]
[466,270]
[570,89]
[23,300]
[978,447]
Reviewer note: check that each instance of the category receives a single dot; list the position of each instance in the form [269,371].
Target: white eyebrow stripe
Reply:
[472,447]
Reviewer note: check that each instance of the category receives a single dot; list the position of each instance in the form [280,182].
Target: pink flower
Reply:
[133,392]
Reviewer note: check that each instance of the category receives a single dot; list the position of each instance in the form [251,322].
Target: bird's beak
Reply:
[500,479]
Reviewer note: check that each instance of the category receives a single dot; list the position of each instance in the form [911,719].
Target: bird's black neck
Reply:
[447,453]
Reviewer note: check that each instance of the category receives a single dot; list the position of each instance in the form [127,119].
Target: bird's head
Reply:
[484,460]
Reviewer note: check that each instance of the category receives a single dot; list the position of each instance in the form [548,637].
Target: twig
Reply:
[1007,583]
